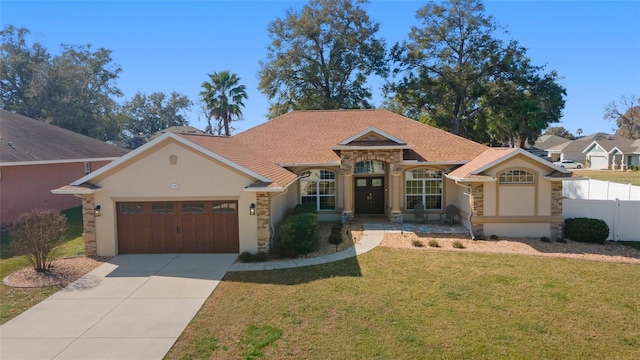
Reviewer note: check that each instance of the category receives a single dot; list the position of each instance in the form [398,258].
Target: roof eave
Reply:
[463,179]
[50,162]
[380,147]
[62,191]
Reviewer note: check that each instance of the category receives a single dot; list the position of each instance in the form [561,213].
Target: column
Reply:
[347,184]
[396,194]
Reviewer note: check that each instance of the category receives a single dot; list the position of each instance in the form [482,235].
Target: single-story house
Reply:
[545,142]
[204,193]
[36,157]
[613,153]
[574,149]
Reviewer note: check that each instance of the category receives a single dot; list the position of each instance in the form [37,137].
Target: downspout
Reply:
[272,228]
[469,193]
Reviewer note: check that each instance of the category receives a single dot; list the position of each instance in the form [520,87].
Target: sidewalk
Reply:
[370,239]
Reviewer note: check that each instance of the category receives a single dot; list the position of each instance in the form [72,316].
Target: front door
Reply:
[369,195]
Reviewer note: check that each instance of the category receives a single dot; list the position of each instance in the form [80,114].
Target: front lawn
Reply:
[416,304]
[623,177]
[13,300]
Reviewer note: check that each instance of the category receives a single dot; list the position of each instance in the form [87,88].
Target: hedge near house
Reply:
[586,230]
[300,232]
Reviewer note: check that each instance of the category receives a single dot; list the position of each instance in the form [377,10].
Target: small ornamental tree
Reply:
[35,234]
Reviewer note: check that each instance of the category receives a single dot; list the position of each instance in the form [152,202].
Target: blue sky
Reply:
[172,45]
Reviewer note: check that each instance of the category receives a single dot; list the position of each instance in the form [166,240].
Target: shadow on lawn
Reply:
[348,267]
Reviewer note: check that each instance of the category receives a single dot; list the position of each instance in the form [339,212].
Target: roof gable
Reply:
[474,170]
[259,173]
[27,140]
[374,135]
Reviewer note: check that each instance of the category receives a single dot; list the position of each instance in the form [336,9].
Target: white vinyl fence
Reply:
[617,204]
[599,190]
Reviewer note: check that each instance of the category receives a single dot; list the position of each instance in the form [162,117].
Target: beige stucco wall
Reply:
[148,177]
[518,199]
[518,230]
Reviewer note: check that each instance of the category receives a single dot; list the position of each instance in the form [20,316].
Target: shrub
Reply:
[279,251]
[336,234]
[493,237]
[561,240]
[247,257]
[458,244]
[417,243]
[434,243]
[479,237]
[586,230]
[305,209]
[35,234]
[545,239]
[300,232]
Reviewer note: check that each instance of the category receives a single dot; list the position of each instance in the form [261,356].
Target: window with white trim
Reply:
[318,188]
[423,185]
[516,177]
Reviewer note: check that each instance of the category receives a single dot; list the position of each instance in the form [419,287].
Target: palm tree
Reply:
[222,98]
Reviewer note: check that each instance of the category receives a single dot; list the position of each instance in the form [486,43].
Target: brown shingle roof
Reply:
[235,151]
[303,137]
[26,139]
[487,157]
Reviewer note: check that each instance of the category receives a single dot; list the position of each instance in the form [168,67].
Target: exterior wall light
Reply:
[96,210]
[252,209]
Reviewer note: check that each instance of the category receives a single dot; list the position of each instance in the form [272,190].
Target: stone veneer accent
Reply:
[349,159]
[263,213]
[477,192]
[393,157]
[556,209]
[89,225]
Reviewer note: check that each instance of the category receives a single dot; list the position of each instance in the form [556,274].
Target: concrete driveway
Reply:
[133,307]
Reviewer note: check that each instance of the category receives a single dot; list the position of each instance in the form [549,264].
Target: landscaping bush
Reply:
[336,234]
[434,243]
[545,239]
[305,209]
[479,237]
[417,243]
[586,230]
[247,257]
[35,234]
[458,245]
[279,251]
[493,237]
[300,232]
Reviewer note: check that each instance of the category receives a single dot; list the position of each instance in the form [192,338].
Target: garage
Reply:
[178,227]
[598,162]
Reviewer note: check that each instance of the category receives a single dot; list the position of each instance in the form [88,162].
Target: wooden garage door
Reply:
[178,227]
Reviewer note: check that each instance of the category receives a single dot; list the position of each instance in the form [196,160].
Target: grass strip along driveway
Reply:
[414,304]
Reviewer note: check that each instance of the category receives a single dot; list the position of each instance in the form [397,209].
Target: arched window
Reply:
[318,188]
[423,185]
[369,167]
[516,177]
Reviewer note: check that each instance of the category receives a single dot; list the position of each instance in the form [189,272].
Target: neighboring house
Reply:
[203,193]
[573,150]
[545,142]
[614,153]
[36,157]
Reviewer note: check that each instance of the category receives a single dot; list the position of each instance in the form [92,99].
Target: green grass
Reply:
[633,244]
[15,301]
[409,304]
[623,177]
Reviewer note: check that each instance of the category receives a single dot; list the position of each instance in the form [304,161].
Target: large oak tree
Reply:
[320,58]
